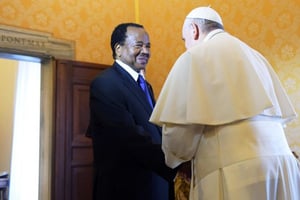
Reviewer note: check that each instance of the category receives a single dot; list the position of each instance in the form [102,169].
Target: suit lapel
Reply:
[133,86]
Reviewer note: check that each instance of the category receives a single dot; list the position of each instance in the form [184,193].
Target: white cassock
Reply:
[223,107]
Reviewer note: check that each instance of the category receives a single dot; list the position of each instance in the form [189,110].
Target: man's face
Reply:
[136,50]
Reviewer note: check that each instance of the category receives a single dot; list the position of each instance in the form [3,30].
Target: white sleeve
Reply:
[180,142]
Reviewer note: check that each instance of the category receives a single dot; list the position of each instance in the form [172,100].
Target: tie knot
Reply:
[141,79]
[142,82]
[143,85]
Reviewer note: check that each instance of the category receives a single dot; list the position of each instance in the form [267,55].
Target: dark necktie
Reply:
[144,87]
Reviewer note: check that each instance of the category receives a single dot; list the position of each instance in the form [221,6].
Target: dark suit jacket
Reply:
[127,147]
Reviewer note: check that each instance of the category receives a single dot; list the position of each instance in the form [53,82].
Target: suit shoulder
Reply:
[105,76]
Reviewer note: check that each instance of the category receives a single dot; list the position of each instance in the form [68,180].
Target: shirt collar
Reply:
[127,68]
[212,33]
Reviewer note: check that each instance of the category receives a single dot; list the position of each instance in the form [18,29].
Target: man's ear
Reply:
[118,50]
[196,31]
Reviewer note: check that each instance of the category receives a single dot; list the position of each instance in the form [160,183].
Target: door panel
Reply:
[73,157]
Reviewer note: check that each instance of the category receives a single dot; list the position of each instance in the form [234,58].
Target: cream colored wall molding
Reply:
[23,44]
[32,43]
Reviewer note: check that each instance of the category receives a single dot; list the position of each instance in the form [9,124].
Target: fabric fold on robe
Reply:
[222,96]
[230,128]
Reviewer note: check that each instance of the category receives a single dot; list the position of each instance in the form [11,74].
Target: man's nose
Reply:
[145,49]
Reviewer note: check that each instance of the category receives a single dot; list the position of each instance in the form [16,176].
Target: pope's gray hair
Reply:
[206,25]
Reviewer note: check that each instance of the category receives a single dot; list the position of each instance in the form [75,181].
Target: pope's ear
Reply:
[196,31]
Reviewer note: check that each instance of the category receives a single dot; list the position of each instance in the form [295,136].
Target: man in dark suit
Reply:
[129,162]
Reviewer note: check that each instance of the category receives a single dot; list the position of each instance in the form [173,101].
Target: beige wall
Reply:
[8,71]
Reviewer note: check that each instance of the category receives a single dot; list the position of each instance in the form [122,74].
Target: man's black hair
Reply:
[118,36]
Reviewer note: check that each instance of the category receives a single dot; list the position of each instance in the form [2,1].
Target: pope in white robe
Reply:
[223,108]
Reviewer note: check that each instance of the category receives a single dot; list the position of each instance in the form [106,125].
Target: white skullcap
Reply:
[205,13]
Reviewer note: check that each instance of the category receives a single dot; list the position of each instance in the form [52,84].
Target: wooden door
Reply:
[72,162]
